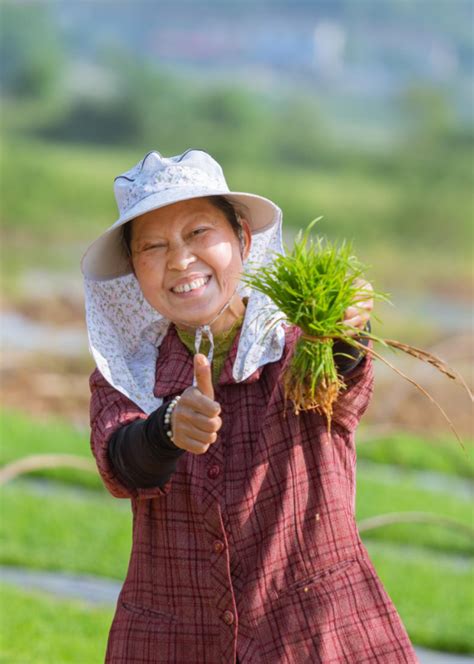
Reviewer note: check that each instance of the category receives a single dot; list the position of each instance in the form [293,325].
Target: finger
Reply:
[360,312]
[366,304]
[363,285]
[367,301]
[358,325]
[193,446]
[191,433]
[206,424]
[202,372]
[364,292]
[350,312]
[353,330]
[195,402]
[356,321]
[359,302]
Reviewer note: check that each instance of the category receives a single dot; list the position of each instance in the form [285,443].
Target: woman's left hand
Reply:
[358,314]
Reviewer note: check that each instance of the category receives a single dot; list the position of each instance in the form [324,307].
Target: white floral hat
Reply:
[157,181]
[125,332]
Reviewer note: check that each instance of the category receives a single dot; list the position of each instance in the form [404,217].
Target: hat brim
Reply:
[106,257]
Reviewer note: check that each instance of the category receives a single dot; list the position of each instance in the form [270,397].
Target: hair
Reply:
[219,202]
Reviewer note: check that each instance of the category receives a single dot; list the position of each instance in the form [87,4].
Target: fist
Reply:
[359,312]
[195,419]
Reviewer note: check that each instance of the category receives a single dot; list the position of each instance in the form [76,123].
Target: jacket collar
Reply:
[174,366]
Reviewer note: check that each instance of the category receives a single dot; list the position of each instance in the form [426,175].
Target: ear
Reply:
[247,237]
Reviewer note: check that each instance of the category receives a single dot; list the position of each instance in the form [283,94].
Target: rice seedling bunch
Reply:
[313,285]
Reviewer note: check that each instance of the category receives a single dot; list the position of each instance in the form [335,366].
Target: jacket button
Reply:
[228,617]
[214,471]
[218,546]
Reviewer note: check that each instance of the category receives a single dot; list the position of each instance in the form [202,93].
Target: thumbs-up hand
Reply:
[202,372]
[195,420]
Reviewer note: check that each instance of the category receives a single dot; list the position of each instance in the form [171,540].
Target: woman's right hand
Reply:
[195,419]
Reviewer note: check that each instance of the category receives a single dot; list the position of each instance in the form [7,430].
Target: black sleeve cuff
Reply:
[341,350]
[141,453]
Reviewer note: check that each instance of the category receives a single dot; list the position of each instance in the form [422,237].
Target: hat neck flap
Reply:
[125,332]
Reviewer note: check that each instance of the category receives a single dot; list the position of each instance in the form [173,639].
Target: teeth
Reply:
[185,288]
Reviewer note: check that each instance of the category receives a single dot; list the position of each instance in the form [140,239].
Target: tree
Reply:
[31,55]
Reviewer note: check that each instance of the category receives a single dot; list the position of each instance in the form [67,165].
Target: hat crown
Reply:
[155,174]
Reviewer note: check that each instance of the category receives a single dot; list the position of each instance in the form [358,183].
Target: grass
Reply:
[432,593]
[45,630]
[406,450]
[77,532]
[20,436]
[378,493]
[69,187]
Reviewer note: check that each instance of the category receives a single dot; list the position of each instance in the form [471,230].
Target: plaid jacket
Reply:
[251,550]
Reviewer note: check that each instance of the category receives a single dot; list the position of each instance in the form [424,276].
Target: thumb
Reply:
[202,372]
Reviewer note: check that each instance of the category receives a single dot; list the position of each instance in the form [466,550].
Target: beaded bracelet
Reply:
[167,418]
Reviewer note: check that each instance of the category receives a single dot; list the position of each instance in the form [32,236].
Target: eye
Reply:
[151,247]
[198,231]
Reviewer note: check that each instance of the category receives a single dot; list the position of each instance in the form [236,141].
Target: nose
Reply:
[180,257]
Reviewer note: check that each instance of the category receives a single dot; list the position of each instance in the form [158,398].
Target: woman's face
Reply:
[187,259]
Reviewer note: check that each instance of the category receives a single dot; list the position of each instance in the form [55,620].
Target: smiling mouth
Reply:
[195,285]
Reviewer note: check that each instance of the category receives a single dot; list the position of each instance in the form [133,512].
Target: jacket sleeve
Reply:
[109,411]
[353,401]
[347,357]
[142,453]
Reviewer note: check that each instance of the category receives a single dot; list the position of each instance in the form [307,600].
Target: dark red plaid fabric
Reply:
[252,549]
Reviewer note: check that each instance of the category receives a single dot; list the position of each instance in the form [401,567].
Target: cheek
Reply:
[149,277]
[225,259]
[147,266]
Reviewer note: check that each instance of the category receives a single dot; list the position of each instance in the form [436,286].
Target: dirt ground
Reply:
[399,404]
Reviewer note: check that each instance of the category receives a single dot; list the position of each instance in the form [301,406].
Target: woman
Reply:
[245,546]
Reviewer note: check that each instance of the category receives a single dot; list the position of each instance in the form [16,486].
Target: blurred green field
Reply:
[376,495]
[432,593]
[60,196]
[46,630]
[21,436]
[410,451]
[64,520]
[86,532]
